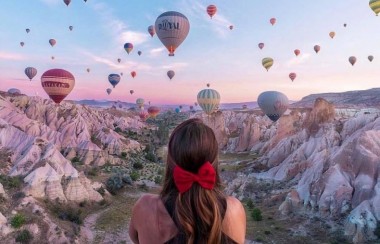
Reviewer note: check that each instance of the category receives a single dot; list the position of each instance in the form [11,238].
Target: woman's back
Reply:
[152,223]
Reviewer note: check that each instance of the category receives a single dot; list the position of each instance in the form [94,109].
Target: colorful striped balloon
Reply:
[128,47]
[143,115]
[172,29]
[273,104]
[153,111]
[114,79]
[30,72]
[375,6]
[267,63]
[57,83]
[211,10]
[209,100]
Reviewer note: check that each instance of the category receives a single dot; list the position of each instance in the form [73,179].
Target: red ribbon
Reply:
[205,177]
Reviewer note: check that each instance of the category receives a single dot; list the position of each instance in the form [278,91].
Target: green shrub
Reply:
[256,214]
[101,191]
[118,130]
[138,165]
[24,236]
[10,182]
[158,179]
[250,203]
[123,154]
[267,232]
[150,156]
[135,175]
[18,220]
[94,171]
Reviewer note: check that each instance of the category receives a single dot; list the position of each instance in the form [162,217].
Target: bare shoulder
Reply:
[234,223]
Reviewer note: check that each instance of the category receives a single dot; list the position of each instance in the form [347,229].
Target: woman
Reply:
[191,207]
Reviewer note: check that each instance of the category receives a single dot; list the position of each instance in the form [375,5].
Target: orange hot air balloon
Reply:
[297,52]
[211,10]
[273,21]
[332,34]
[317,48]
[57,83]
[133,74]
[292,76]
[261,45]
[153,111]
[352,60]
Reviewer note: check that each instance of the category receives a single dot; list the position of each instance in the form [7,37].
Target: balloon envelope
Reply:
[67,2]
[375,6]
[267,63]
[332,34]
[139,53]
[22,44]
[172,29]
[52,42]
[128,47]
[273,104]
[14,91]
[211,10]
[140,102]
[109,90]
[30,72]
[71,27]
[292,76]
[261,45]
[317,48]
[143,115]
[352,60]
[27,30]
[273,21]
[88,69]
[57,83]
[177,110]
[231,27]
[153,111]
[133,74]
[151,30]
[170,74]
[131,91]
[297,52]
[209,100]
[370,58]
[114,79]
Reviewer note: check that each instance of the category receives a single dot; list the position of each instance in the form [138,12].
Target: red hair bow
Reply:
[205,177]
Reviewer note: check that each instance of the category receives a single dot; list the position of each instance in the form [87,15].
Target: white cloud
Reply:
[156,51]
[176,66]
[11,56]
[298,60]
[51,2]
[134,37]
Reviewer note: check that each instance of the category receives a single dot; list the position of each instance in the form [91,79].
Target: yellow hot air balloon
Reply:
[375,6]
[267,63]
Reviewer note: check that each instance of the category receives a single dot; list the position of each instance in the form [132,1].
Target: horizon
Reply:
[211,53]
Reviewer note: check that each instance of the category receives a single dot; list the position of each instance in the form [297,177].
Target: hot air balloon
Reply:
[317,48]
[52,42]
[208,84]
[261,45]
[151,30]
[297,52]
[209,100]
[375,6]
[140,102]
[345,25]
[27,30]
[153,111]
[88,70]
[109,90]
[119,60]
[131,91]
[211,10]
[170,74]
[85,1]
[133,74]
[57,83]
[370,58]
[22,44]
[67,2]
[14,91]
[71,27]
[231,27]
[177,110]
[121,73]
[267,63]
[128,47]
[292,76]
[52,57]
[114,79]
[143,115]
[180,107]
[30,72]
[273,21]
[172,28]
[332,34]
[352,60]
[273,104]
[139,53]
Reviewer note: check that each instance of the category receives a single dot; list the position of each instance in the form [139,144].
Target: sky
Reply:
[229,60]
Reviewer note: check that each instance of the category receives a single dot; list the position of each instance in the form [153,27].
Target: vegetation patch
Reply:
[18,220]
[24,236]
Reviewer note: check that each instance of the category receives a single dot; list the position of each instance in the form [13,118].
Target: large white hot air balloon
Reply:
[172,29]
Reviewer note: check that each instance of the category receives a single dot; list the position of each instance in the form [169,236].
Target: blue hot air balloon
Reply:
[114,79]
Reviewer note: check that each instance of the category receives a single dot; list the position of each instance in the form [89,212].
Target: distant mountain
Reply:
[361,98]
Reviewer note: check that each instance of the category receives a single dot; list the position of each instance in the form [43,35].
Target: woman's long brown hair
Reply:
[198,213]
